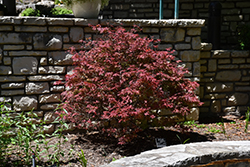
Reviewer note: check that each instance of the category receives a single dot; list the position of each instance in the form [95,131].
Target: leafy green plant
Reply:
[83,160]
[23,134]
[223,127]
[247,119]
[57,1]
[60,11]
[184,142]
[244,37]
[214,130]
[31,12]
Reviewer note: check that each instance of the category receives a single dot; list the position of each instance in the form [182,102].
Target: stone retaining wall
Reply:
[224,85]
[234,13]
[33,55]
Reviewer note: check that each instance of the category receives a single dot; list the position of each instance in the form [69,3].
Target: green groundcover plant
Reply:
[244,37]
[121,82]
[53,12]
[22,134]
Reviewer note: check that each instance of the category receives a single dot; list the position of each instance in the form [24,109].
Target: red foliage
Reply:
[121,83]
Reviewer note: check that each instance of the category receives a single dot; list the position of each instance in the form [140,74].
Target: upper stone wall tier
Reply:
[234,13]
[33,54]
[85,22]
[224,85]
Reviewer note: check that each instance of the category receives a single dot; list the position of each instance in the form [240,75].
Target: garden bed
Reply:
[101,149]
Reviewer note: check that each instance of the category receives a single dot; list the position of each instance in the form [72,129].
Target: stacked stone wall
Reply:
[224,85]
[234,13]
[33,55]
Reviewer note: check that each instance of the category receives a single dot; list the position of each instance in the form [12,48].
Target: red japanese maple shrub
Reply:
[121,83]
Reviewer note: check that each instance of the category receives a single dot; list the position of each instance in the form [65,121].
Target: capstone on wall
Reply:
[225,81]
[233,14]
[33,55]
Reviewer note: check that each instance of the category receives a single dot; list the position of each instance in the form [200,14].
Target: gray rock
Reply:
[24,103]
[186,155]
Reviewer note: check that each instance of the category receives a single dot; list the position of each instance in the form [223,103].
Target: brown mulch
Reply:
[100,149]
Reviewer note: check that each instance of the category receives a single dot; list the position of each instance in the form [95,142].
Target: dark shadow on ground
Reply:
[144,142]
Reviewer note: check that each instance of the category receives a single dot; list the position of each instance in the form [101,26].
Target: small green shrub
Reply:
[57,1]
[247,119]
[244,37]
[31,12]
[20,136]
[60,11]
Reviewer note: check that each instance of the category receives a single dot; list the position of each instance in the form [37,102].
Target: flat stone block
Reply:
[205,55]
[57,89]
[190,56]
[27,53]
[221,54]
[196,69]
[12,92]
[48,129]
[51,70]
[5,70]
[10,20]
[242,4]
[230,67]
[150,30]
[196,43]
[48,107]
[58,29]
[219,87]
[193,154]
[224,61]
[34,21]
[68,46]
[242,66]
[172,35]
[60,58]
[24,65]
[76,34]
[193,31]
[37,88]
[12,85]
[60,21]
[228,75]
[12,78]
[46,78]
[240,54]
[6,28]
[85,22]
[52,98]
[30,29]
[25,103]
[239,61]
[238,99]
[232,18]
[15,38]
[50,116]
[194,114]
[47,41]
[43,61]
[182,46]
[242,88]
[13,47]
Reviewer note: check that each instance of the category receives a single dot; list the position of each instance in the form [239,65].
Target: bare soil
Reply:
[101,149]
